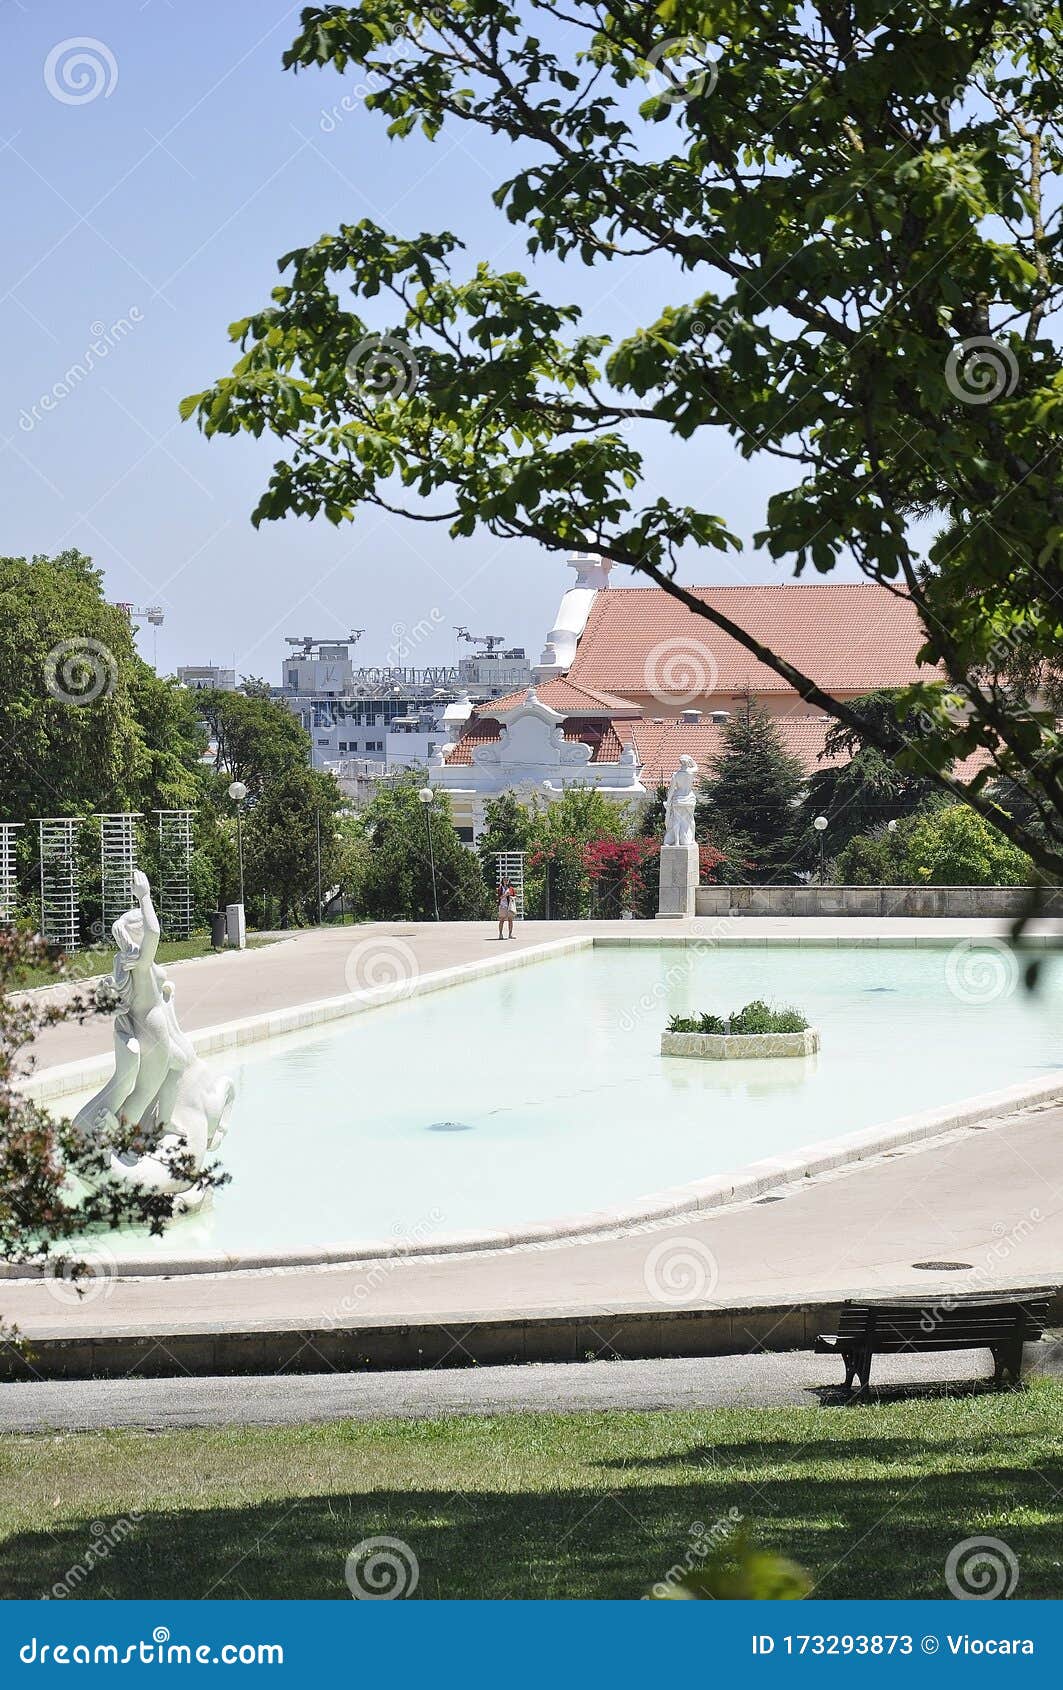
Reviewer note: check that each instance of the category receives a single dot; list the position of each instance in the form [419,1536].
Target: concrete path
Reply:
[327,962]
[762,1381]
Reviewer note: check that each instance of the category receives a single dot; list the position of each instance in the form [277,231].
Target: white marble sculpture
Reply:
[160,1088]
[681,804]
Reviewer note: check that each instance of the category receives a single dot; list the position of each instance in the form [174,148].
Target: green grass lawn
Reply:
[86,965]
[868,1498]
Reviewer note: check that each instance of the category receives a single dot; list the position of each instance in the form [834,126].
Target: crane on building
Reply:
[152,615]
[307,643]
[490,642]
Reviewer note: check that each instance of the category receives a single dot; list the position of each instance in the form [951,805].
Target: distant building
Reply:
[207,677]
[630,679]
[366,722]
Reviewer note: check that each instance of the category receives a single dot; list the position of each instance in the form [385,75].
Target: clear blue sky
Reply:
[165,203]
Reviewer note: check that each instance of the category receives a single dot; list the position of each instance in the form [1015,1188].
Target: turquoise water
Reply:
[541,1091]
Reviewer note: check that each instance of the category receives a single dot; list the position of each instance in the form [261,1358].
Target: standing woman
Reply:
[507,908]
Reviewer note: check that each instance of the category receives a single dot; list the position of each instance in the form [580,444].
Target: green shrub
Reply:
[939,845]
[696,1024]
[756,1017]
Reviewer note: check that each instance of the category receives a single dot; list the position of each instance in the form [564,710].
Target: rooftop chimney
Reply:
[693,717]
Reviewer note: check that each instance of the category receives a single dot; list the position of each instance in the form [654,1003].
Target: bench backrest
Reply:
[928,1322]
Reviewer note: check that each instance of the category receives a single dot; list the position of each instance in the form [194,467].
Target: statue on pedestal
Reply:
[681,804]
[161,1092]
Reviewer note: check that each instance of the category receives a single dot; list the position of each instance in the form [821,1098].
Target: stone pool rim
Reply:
[697,1196]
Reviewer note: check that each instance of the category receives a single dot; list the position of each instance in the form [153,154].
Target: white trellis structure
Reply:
[8,874]
[118,859]
[511,870]
[59,881]
[175,877]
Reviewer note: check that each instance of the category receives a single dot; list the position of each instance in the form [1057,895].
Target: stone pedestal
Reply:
[679,882]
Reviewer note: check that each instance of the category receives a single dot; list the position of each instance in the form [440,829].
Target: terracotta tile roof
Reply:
[661,744]
[851,638]
[565,696]
[479,730]
[598,732]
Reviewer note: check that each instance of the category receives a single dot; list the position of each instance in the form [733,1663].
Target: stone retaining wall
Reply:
[965,901]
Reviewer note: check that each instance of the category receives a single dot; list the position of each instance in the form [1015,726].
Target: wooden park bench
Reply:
[997,1322]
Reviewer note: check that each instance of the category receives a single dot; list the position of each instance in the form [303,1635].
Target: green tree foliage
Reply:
[85,725]
[866,790]
[652,820]
[507,827]
[281,836]
[396,874]
[853,202]
[750,798]
[558,881]
[258,739]
[941,845]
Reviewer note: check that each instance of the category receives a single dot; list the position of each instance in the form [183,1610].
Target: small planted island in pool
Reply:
[752,1032]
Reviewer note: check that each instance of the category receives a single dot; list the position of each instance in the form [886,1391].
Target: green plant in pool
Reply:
[758,1017]
[696,1024]
[755,1017]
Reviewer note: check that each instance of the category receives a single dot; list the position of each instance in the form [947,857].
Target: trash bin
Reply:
[217,930]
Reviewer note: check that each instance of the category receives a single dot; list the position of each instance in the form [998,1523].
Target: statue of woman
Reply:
[681,804]
[160,1089]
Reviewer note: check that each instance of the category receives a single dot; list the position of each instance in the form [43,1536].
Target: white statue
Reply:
[160,1087]
[681,804]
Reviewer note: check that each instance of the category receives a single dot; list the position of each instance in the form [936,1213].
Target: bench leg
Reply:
[1007,1361]
[858,1364]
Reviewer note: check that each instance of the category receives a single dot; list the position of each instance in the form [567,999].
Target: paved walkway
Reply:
[327,962]
[761,1381]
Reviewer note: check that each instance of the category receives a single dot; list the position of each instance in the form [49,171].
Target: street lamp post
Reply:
[820,825]
[548,787]
[238,792]
[317,819]
[426,796]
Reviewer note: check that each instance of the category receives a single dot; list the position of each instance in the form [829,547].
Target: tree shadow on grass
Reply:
[864,1522]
